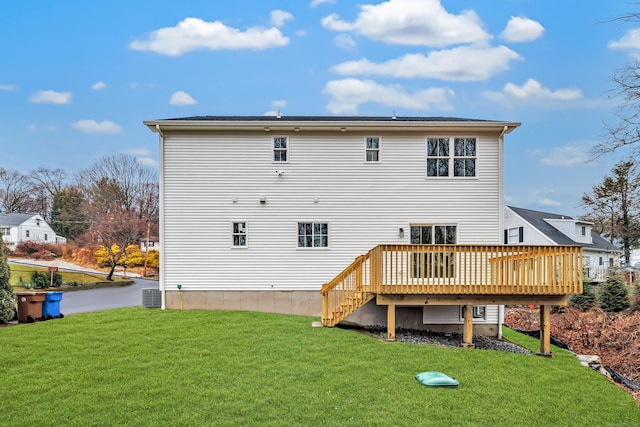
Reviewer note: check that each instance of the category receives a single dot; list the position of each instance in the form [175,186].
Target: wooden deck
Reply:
[455,275]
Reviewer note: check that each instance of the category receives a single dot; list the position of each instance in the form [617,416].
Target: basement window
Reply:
[479,312]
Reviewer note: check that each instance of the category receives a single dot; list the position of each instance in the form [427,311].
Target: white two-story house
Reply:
[531,227]
[22,227]
[376,220]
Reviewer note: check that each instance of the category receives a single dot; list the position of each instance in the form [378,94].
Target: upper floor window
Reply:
[5,231]
[583,230]
[38,222]
[239,234]
[313,235]
[46,237]
[372,149]
[441,162]
[464,157]
[27,233]
[280,148]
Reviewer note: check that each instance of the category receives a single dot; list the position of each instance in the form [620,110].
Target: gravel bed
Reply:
[450,340]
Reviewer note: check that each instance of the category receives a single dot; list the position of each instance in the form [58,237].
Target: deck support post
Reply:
[325,309]
[467,335]
[545,331]
[391,322]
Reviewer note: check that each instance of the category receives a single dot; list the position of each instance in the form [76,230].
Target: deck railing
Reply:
[454,270]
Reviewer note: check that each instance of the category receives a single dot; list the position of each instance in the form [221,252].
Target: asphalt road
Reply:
[105,298]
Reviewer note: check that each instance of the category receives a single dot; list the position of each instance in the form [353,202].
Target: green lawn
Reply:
[22,274]
[139,366]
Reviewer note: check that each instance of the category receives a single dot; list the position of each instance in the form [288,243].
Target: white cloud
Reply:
[280,17]
[91,126]
[98,85]
[533,91]
[8,87]
[194,33]
[345,42]
[278,103]
[148,161]
[348,94]
[522,29]
[630,41]
[51,97]
[316,3]
[465,63]
[143,156]
[412,22]
[180,99]
[566,157]
[547,202]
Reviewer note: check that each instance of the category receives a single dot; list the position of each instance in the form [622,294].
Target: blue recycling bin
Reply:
[51,305]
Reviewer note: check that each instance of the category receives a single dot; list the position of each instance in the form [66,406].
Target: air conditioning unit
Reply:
[151,298]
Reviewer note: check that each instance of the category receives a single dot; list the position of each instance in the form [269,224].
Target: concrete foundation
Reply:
[303,303]
[308,303]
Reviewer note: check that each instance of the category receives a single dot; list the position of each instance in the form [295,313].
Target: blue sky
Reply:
[79,77]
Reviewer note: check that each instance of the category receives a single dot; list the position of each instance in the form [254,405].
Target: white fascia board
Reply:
[281,125]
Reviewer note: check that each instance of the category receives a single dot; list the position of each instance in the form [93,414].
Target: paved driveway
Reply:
[105,298]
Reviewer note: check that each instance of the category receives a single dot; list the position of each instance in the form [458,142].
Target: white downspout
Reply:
[161,285]
[501,216]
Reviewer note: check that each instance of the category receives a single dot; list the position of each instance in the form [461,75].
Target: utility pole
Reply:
[146,250]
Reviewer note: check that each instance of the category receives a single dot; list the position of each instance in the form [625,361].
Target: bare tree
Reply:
[119,183]
[46,184]
[15,192]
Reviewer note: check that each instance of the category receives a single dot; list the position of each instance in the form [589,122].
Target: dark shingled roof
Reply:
[330,119]
[537,219]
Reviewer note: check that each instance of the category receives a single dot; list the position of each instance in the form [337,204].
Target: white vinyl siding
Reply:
[450,314]
[206,187]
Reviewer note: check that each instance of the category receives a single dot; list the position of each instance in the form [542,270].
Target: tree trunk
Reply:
[110,275]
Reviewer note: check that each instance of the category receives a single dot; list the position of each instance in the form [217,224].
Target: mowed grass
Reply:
[22,274]
[138,366]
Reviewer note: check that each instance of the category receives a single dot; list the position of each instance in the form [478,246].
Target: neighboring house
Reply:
[529,227]
[269,213]
[21,227]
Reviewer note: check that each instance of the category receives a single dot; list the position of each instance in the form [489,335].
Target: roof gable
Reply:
[14,219]
[537,220]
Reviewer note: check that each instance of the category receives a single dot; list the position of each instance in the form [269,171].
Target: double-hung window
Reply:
[280,148]
[430,264]
[451,157]
[372,149]
[313,235]
[464,157]
[239,234]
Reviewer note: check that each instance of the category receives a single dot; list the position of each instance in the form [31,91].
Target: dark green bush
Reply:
[613,295]
[587,299]
[42,280]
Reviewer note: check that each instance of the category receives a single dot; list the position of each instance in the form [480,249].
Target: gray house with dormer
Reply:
[530,227]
